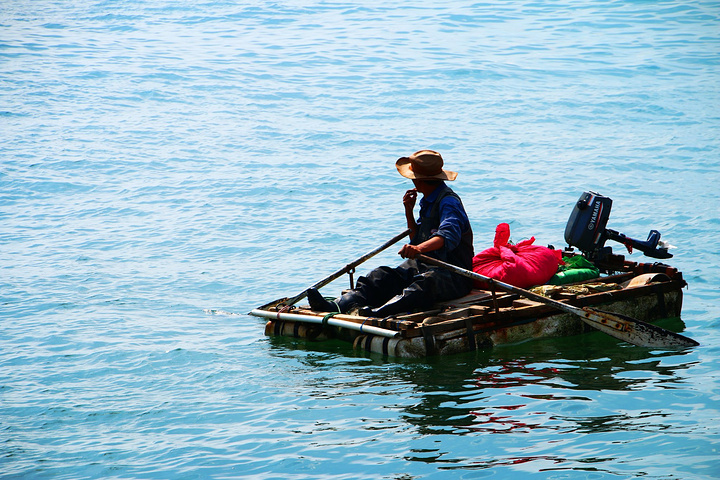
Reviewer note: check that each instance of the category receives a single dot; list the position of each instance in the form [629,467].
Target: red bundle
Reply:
[523,265]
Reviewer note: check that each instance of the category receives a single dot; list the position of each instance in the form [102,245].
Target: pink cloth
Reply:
[523,265]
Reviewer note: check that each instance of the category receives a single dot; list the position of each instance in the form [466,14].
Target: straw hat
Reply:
[424,165]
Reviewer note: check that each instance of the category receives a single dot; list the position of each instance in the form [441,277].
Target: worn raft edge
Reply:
[437,339]
[470,323]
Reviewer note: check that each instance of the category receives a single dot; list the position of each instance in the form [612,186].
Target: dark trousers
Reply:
[424,283]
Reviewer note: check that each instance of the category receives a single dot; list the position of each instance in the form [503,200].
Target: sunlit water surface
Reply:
[165,167]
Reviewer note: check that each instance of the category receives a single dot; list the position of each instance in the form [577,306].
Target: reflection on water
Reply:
[542,384]
[538,385]
[562,395]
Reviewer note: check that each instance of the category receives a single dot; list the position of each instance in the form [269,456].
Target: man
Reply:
[442,231]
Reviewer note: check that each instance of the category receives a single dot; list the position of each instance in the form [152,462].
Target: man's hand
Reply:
[412,251]
[409,251]
[409,199]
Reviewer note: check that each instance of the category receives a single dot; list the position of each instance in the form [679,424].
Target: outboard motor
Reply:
[586,230]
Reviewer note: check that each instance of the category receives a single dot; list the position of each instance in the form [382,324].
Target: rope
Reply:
[283,310]
[363,323]
[328,317]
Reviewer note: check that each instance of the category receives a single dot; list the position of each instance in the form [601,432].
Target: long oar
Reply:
[619,326]
[347,268]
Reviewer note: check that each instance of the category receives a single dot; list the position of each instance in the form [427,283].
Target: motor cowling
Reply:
[587,230]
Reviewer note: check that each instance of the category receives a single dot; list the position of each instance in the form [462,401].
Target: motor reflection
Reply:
[553,385]
[562,384]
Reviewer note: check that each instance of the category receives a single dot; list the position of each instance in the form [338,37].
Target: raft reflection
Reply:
[569,384]
[509,389]
[560,404]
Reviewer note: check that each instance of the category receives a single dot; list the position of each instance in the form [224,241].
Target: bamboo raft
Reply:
[623,302]
[645,291]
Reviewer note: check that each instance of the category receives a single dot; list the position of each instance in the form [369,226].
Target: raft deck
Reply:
[485,318]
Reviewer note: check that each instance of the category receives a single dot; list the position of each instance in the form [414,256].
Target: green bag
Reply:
[576,269]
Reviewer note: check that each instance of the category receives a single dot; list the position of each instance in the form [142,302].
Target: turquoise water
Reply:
[165,167]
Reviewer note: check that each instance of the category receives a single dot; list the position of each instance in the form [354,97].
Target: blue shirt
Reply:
[453,219]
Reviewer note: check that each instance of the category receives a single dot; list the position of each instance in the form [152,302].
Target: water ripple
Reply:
[167,167]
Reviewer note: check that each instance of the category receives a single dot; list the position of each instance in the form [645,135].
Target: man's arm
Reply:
[452,223]
[430,245]
[409,203]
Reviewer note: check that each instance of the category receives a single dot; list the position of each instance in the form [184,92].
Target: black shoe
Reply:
[351,300]
[411,299]
[320,303]
[397,304]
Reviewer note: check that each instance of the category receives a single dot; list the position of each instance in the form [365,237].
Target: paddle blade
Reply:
[634,331]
